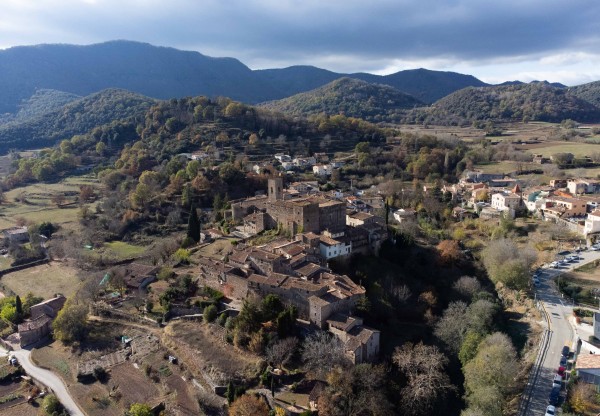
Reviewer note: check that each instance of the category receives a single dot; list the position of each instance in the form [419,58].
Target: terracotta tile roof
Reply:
[587,361]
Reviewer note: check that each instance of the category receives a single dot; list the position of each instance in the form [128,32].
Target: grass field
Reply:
[123,250]
[549,148]
[34,202]
[506,166]
[44,280]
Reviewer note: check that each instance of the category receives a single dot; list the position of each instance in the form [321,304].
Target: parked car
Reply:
[536,281]
[565,351]
[563,361]
[554,264]
[557,381]
[594,248]
[561,371]
[554,396]
[550,411]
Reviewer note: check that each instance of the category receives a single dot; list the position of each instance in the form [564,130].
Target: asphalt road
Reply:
[49,379]
[558,333]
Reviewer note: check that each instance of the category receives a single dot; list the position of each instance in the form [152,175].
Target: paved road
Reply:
[558,333]
[49,379]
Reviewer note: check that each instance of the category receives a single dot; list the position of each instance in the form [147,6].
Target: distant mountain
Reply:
[350,97]
[296,79]
[149,70]
[76,117]
[42,102]
[589,92]
[535,101]
[426,85]
[164,73]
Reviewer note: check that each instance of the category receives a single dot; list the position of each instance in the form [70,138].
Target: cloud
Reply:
[342,35]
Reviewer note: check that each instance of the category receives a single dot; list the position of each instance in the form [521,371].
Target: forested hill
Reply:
[41,102]
[589,92]
[351,97]
[426,85]
[535,102]
[164,73]
[76,117]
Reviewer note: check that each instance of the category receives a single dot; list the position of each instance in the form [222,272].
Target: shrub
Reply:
[210,313]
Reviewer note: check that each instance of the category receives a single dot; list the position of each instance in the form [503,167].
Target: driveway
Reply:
[556,311]
[47,378]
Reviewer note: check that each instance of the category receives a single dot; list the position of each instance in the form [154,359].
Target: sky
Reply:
[494,40]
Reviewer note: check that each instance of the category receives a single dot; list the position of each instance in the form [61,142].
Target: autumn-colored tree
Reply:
[58,199]
[582,397]
[249,405]
[86,193]
[253,139]
[449,251]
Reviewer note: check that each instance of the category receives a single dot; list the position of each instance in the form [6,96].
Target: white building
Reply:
[322,170]
[592,223]
[505,201]
[331,248]
[405,215]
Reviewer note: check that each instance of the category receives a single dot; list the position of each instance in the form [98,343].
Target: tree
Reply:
[452,326]
[51,405]
[70,324]
[281,351]
[210,313]
[427,382]
[469,347]
[286,322]
[140,409]
[321,352]
[492,370]
[249,405]
[18,306]
[508,264]
[359,390]
[449,251]
[253,139]
[86,193]
[58,199]
[9,313]
[193,230]
[467,286]
[271,307]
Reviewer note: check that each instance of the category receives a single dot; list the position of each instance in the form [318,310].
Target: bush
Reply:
[51,405]
[210,313]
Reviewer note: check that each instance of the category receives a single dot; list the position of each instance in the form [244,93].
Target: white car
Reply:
[554,264]
[550,410]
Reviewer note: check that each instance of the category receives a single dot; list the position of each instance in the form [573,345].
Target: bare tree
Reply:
[427,384]
[467,286]
[453,325]
[402,293]
[280,352]
[322,352]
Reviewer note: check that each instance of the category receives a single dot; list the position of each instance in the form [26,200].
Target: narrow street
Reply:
[556,311]
[47,378]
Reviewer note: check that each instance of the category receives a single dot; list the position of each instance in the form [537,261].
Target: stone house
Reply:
[361,342]
[39,325]
[18,235]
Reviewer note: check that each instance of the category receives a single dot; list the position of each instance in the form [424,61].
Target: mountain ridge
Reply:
[164,72]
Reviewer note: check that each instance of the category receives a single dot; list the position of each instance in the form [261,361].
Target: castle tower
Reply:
[275,189]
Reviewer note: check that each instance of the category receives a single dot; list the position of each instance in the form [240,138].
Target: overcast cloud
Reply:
[557,40]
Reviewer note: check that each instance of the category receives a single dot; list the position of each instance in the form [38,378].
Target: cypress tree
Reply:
[193,230]
[19,306]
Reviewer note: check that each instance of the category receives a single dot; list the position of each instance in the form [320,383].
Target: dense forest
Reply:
[519,102]
[351,97]
[38,127]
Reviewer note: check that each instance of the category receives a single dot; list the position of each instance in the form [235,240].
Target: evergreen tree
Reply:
[193,230]
[230,393]
[19,306]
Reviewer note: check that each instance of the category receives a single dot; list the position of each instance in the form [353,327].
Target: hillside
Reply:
[351,97]
[76,117]
[589,92]
[535,101]
[163,73]
[426,85]
[41,102]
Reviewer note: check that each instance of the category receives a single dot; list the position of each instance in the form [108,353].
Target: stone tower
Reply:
[275,189]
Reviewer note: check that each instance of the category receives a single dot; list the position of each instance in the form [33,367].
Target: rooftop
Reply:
[587,361]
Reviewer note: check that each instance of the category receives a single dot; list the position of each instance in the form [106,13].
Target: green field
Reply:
[578,149]
[34,203]
[123,250]
[45,280]
[506,166]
